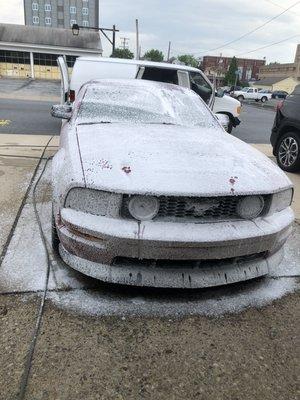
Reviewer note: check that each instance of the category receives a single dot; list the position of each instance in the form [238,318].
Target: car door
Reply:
[250,94]
[65,80]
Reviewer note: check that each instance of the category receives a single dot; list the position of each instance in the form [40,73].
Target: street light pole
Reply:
[76,28]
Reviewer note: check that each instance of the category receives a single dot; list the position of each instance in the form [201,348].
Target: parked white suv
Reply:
[249,93]
[94,67]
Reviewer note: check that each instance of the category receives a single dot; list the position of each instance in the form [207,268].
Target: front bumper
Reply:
[235,121]
[92,244]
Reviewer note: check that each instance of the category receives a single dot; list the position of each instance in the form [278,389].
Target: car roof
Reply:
[138,62]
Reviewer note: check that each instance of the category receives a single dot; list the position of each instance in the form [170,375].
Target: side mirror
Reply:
[224,120]
[220,92]
[63,111]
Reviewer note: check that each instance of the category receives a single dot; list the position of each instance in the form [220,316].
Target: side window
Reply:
[250,91]
[200,86]
[160,75]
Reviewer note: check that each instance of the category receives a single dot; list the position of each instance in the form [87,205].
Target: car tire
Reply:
[54,236]
[240,98]
[289,162]
[264,99]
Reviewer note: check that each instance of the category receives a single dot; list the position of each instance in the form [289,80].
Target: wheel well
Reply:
[283,130]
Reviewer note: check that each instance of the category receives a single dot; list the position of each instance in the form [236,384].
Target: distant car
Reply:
[149,190]
[249,93]
[279,94]
[285,137]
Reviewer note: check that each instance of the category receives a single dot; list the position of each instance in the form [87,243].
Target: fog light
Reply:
[143,208]
[250,207]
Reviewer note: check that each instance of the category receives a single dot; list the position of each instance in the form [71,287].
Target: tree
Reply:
[122,53]
[154,55]
[230,76]
[189,59]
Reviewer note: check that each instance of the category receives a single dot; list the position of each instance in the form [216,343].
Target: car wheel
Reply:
[230,127]
[256,100]
[288,152]
[240,99]
[54,236]
[264,99]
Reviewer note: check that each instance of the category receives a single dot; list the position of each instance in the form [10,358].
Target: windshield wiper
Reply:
[94,123]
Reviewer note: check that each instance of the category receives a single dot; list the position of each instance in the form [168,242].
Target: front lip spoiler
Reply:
[185,278]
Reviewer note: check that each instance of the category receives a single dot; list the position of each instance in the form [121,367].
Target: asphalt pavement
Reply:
[27,117]
[256,124]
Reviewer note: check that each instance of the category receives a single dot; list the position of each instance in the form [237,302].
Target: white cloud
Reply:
[11,12]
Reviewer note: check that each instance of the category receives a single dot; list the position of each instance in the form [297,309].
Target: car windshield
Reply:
[245,89]
[121,103]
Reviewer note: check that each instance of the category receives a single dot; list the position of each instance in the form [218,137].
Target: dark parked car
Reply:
[285,137]
[279,94]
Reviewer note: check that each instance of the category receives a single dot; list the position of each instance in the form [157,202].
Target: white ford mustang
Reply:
[148,189]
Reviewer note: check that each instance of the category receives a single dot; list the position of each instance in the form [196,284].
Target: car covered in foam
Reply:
[149,190]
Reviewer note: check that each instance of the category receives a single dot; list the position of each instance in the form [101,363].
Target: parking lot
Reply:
[99,341]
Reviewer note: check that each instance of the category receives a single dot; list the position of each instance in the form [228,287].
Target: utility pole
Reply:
[169,51]
[124,42]
[137,39]
[114,38]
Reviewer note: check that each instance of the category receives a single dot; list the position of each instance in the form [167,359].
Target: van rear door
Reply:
[65,81]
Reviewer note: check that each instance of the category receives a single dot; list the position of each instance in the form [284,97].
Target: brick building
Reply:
[218,66]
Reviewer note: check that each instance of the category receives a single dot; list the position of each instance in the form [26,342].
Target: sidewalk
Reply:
[107,342]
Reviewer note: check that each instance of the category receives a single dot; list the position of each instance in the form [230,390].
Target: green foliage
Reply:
[189,59]
[154,55]
[230,76]
[122,53]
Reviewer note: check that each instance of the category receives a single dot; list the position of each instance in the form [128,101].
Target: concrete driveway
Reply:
[100,341]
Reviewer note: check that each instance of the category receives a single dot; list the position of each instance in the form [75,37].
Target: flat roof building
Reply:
[29,51]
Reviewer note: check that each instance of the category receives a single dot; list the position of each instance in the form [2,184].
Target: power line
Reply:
[268,45]
[252,31]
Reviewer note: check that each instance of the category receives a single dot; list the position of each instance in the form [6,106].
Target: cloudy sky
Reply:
[196,26]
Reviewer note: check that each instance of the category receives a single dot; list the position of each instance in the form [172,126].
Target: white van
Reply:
[96,67]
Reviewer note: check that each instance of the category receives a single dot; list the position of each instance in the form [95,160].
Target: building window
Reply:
[85,23]
[72,10]
[35,6]
[14,57]
[35,20]
[85,11]
[45,59]
[47,7]
[73,21]
[48,21]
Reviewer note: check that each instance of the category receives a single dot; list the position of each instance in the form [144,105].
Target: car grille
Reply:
[188,209]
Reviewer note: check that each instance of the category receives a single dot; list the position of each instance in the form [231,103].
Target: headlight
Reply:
[281,200]
[250,207]
[143,208]
[94,202]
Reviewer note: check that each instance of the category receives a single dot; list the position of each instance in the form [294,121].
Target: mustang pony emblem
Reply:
[199,208]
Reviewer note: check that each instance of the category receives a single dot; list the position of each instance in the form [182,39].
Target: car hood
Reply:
[173,160]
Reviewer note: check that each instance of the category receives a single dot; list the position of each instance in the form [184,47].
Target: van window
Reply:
[200,86]
[160,75]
